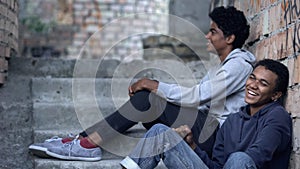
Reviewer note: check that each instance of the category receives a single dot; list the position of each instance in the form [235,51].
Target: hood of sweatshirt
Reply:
[244,113]
[242,54]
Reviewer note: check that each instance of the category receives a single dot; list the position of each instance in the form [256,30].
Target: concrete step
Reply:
[91,68]
[103,164]
[84,89]
[54,116]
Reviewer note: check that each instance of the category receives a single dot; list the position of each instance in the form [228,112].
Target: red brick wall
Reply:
[275,34]
[8,34]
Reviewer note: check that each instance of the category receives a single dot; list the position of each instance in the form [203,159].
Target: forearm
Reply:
[184,96]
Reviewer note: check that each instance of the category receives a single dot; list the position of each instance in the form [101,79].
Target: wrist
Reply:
[193,145]
[150,85]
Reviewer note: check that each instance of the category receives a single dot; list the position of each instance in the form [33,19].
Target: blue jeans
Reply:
[239,160]
[161,142]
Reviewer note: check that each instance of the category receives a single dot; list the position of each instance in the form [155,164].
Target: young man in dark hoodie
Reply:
[259,136]
[220,93]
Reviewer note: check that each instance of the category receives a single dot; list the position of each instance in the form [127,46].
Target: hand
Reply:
[143,84]
[185,132]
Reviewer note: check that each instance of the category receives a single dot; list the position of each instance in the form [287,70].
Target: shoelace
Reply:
[55,138]
[69,145]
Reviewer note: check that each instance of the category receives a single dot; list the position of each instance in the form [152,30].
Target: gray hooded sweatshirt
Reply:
[220,92]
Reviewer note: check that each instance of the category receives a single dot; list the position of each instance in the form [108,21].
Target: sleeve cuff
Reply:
[162,89]
[129,163]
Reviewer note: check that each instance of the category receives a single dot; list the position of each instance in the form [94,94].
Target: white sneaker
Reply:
[40,149]
[74,151]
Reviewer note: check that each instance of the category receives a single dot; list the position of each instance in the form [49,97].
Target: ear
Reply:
[230,39]
[276,96]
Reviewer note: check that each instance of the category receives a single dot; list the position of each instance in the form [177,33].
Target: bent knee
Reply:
[239,160]
[159,127]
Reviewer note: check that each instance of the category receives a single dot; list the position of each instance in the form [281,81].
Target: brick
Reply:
[294,161]
[16,7]
[78,6]
[7,52]
[276,12]
[293,100]
[2,77]
[249,7]
[7,26]
[296,135]
[290,10]
[290,63]
[3,64]
[81,13]
[78,20]
[128,8]
[262,50]
[91,20]
[11,15]
[284,43]
[296,75]
[265,3]
[92,28]
[265,22]
[12,4]
[277,46]
[2,51]
[115,7]
[3,37]
[3,10]
[293,39]
[108,14]
[255,29]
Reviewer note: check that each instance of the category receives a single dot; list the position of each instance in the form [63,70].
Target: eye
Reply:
[252,77]
[264,83]
[212,31]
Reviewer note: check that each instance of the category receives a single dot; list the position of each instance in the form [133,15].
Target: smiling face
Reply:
[260,88]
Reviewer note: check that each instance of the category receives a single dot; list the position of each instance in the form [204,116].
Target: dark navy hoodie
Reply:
[266,137]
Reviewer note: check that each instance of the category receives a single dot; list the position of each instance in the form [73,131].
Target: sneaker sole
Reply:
[72,158]
[39,151]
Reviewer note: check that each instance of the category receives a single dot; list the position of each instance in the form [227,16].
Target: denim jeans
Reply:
[161,142]
[150,109]
[239,160]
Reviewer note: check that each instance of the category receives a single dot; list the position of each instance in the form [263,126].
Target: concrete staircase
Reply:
[55,99]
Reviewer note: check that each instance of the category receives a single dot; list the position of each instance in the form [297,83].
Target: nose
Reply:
[207,35]
[253,84]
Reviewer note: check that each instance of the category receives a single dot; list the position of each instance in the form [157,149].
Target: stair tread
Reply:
[42,163]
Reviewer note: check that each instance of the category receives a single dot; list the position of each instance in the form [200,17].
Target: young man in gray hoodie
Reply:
[218,94]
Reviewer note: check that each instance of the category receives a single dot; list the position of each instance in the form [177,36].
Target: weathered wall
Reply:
[194,11]
[15,99]
[62,28]
[275,34]
[8,34]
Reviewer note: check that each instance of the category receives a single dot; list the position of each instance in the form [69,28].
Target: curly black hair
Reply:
[232,22]
[280,70]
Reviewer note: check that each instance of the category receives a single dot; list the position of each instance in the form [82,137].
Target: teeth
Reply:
[252,93]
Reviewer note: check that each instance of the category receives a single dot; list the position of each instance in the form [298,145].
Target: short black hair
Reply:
[232,22]
[280,70]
